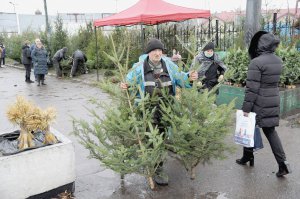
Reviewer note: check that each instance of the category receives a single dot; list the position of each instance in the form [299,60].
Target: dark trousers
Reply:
[27,71]
[40,77]
[57,67]
[275,144]
[2,60]
[78,66]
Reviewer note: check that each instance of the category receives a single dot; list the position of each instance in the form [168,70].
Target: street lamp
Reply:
[17,16]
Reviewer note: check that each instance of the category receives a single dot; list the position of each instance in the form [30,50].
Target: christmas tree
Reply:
[197,127]
[125,139]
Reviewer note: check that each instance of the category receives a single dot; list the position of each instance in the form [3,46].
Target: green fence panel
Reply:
[229,93]
[289,99]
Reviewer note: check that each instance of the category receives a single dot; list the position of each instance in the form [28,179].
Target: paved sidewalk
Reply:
[221,179]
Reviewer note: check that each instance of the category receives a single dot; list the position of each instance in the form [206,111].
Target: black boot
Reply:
[39,82]
[160,177]
[284,168]
[43,82]
[26,79]
[30,81]
[247,157]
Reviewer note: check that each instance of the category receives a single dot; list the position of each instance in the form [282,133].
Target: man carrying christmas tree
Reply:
[152,74]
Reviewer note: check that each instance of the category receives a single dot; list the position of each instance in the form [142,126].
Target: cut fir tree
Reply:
[198,127]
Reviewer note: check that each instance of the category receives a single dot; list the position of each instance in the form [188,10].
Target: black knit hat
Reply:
[154,44]
[208,46]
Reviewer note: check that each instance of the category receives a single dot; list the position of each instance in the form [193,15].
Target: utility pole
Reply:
[46,16]
[17,16]
[48,28]
[253,14]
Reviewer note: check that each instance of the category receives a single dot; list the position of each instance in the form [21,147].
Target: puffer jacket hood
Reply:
[267,43]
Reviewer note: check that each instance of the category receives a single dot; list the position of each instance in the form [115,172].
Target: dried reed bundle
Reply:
[19,114]
[31,118]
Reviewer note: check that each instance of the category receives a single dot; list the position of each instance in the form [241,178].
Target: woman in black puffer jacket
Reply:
[262,95]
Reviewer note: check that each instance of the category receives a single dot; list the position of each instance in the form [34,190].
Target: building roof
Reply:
[8,21]
[230,16]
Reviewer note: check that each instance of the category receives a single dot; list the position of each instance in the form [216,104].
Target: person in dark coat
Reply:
[39,59]
[26,60]
[212,69]
[3,54]
[262,96]
[0,55]
[79,59]
[57,58]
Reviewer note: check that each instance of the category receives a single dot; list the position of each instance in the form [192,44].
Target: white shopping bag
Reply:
[244,129]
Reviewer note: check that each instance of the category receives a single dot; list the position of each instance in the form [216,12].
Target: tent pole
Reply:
[97,60]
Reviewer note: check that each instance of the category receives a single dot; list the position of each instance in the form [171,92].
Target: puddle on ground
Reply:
[212,195]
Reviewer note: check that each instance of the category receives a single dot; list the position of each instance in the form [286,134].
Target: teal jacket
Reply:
[136,74]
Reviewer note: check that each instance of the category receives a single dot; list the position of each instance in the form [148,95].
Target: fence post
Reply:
[201,32]
[286,28]
[292,28]
[209,24]
[217,33]
[233,34]
[142,36]
[274,22]
[157,29]
[225,37]
[175,33]
[97,55]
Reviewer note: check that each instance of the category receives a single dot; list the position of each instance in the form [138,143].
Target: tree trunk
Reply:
[193,173]
[151,183]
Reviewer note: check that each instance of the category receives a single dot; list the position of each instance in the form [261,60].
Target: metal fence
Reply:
[224,35]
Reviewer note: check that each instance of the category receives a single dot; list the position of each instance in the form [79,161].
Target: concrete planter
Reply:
[289,99]
[38,173]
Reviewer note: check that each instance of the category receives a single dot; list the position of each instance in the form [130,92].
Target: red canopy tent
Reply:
[150,12]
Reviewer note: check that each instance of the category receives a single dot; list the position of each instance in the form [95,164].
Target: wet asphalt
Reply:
[222,179]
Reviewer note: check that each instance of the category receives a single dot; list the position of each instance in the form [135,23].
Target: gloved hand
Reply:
[221,77]
[193,75]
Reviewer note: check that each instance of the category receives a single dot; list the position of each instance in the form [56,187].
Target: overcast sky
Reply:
[102,6]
